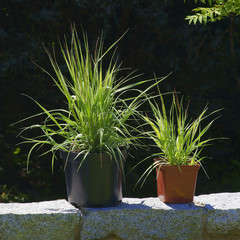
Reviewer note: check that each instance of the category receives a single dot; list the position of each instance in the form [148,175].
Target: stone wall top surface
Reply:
[46,207]
[220,201]
[147,203]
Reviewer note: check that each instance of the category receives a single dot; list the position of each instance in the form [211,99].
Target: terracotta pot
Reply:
[175,186]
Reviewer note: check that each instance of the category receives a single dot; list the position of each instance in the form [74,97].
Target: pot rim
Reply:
[164,163]
[74,156]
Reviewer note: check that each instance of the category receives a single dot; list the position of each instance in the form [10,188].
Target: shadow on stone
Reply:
[111,236]
[188,206]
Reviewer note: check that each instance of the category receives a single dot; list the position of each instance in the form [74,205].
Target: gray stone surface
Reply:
[50,220]
[210,217]
[144,219]
[222,213]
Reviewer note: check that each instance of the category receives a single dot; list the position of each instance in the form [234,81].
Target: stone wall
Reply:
[214,216]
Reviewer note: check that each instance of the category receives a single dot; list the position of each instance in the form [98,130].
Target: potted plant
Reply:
[91,130]
[180,143]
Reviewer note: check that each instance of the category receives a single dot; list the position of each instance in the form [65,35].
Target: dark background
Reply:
[204,61]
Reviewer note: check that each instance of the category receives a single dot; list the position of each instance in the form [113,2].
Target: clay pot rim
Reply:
[164,163]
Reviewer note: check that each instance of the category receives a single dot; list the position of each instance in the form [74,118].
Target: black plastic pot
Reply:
[98,182]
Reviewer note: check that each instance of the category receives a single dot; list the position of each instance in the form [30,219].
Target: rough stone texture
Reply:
[222,220]
[210,217]
[51,220]
[143,219]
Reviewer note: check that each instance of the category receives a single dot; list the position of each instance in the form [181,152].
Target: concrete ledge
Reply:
[210,217]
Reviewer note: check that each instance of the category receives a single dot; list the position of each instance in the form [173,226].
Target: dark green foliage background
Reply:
[203,61]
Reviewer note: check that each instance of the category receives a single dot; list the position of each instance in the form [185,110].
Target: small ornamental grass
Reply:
[96,117]
[179,140]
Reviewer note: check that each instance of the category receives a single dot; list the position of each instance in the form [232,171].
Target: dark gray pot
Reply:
[98,182]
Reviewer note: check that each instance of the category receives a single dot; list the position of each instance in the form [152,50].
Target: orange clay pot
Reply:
[175,186]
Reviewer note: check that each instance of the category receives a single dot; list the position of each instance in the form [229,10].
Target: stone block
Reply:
[143,219]
[50,220]
[222,215]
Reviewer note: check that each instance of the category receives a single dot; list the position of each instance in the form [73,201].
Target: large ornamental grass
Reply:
[97,108]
